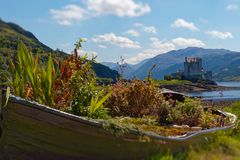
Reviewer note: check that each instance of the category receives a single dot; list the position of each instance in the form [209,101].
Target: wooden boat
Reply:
[33,131]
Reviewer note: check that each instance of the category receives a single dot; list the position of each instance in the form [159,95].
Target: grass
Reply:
[170,82]
[147,124]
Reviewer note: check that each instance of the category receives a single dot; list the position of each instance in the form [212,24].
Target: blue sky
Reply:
[134,29]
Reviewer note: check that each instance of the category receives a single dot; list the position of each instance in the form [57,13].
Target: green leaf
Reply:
[103,100]
[7,96]
[49,72]
[92,105]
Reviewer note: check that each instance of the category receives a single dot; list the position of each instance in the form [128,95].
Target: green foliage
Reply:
[19,72]
[83,86]
[96,109]
[222,145]
[142,125]
[209,120]
[88,97]
[3,71]
[29,80]
[188,112]
[163,113]
[113,127]
[78,44]
[168,77]
[134,99]
[47,78]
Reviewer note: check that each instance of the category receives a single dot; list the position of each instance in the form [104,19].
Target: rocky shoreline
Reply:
[197,87]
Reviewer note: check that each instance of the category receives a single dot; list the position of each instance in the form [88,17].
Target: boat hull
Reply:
[32,131]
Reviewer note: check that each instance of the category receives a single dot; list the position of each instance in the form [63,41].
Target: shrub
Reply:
[88,97]
[188,112]
[75,74]
[76,88]
[209,120]
[163,113]
[134,99]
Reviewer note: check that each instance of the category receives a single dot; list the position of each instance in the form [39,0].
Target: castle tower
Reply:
[192,66]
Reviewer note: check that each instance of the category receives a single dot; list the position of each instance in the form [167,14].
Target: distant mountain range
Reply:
[129,69]
[224,64]
[11,33]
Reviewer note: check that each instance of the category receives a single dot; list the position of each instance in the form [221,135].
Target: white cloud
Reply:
[153,39]
[162,46]
[69,14]
[150,29]
[157,47]
[72,13]
[181,23]
[102,46]
[147,29]
[120,8]
[139,57]
[132,32]
[190,42]
[89,53]
[232,7]
[120,41]
[138,24]
[220,35]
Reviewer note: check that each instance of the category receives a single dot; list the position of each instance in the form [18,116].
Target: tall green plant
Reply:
[29,79]
[18,72]
[47,82]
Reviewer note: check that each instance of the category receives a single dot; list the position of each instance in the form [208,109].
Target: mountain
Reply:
[224,64]
[138,65]
[129,69]
[105,72]
[111,65]
[11,33]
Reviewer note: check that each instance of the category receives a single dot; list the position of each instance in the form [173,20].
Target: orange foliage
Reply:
[62,85]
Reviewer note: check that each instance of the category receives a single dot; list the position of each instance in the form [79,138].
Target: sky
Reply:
[133,29]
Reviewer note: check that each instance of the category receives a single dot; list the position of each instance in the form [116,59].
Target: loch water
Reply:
[220,95]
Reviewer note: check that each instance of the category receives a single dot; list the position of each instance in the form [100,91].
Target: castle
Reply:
[193,70]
